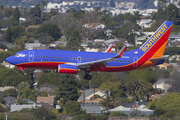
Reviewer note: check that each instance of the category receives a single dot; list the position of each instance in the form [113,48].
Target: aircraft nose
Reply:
[9,59]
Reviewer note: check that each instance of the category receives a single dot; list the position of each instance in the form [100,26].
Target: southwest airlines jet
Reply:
[70,62]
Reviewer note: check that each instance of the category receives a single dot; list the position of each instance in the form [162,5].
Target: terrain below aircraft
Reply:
[70,62]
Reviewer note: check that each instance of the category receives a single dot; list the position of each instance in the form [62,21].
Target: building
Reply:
[30,46]
[145,23]
[128,110]
[164,66]
[174,40]
[49,99]
[19,107]
[94,26]
[139,40]
[174,58]
[8,65]
[10,100]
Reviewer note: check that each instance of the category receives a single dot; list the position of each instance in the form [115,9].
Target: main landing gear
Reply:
[87,76]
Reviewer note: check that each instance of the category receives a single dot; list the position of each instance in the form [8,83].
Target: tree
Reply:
[1,14]
[35,15]
[107,102]
[136,89]
[172,14]
[146,74]
[118,46]
[114,88]
[168,103]
[51,29]
[2,108]
[15,18]
[8,12]
[126,31]
[10,92]
[15,80]
[68,90]
[152,104]
[43,113]
[5,73]
[8,36]
[2,46]
[112,3]
[174,82]
[71,107]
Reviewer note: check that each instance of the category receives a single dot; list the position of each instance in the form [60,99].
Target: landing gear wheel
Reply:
[87,77]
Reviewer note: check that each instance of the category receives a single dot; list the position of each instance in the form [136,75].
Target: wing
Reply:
[109,48]
[102,62]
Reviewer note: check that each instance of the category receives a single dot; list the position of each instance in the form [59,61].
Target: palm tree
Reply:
[107,102]
[137,89]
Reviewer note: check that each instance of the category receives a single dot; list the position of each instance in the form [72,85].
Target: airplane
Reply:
[71,62]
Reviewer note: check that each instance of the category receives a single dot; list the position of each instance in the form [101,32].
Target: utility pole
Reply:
[107,101]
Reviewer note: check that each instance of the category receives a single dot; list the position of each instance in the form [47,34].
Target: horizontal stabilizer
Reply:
[161,58]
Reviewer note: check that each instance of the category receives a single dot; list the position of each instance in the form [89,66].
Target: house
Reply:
[1,50]
[163,84]
[28,101]
[19,107]
[30,46]
[88,94]
[49,99]
[95,110]
[174,40]
[94,26]
[8,65]
[37,74]
[145,23]
[139,40]
[164,66]
[32,26]
[129,110]
[10,100]
[174,58]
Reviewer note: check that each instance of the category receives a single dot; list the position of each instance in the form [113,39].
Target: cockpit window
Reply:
[19,55]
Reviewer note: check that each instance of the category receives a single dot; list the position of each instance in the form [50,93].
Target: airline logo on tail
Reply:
[154,37]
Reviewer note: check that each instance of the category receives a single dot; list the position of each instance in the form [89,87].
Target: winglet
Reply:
[109,48]
[120,53]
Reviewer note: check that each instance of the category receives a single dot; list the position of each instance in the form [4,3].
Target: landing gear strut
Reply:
[87,76]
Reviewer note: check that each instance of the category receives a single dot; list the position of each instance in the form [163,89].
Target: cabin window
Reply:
[74,58]
[51,57]
[87,58]
[123,61]
[84,58]
[39,56]
[36,56]
[66,57]
[61,57]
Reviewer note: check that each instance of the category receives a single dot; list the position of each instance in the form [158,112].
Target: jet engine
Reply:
[67,69]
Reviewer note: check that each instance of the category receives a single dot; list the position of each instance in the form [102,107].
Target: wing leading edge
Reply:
[102,61]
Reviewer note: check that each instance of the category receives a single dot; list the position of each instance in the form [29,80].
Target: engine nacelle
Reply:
[67,69]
